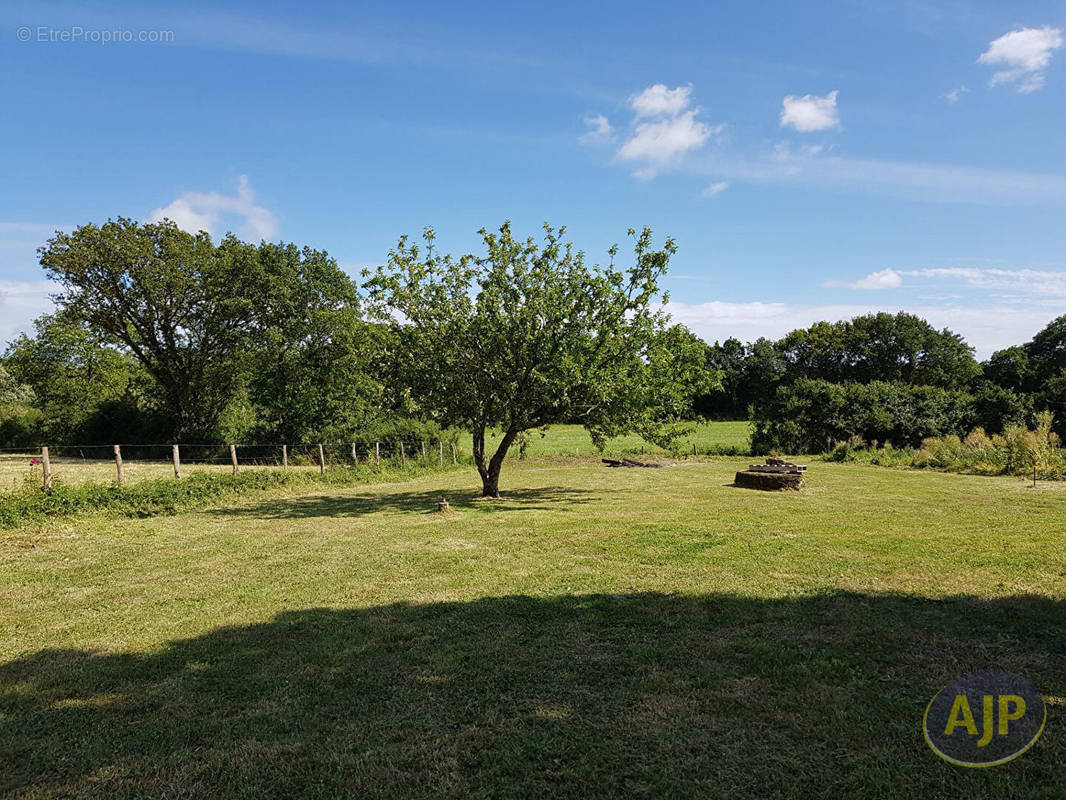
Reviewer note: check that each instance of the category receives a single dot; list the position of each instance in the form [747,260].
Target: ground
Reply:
[598,633]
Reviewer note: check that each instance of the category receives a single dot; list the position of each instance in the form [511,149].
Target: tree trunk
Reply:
[490,471]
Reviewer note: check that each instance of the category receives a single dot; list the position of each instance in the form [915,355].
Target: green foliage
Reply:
[810,416]
[180,305]
[1038,368]
[312,369]
[528,335]
[893,348]
[85,390]
[407,430]
[1016,451]
[18,417]
[12,392]
[235,340]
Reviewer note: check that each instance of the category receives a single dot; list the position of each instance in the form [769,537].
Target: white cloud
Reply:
[664,129]
[665,140]
[599,130]
[1030,285]
[882,279]
[658,101]
[20,303]
[714,189]
[955,95]
[912,180]
[986,328]
[196,211]
[1015,282]
[1025,55]
[810,112]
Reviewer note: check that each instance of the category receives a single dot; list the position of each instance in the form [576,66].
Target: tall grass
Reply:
[1017,451]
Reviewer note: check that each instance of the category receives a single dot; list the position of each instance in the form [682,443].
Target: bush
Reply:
[408,431]
[811,416]
[1017,451]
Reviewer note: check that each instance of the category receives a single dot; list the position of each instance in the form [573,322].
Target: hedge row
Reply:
[812,416]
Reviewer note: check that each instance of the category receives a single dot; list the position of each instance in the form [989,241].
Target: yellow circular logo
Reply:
[984,719]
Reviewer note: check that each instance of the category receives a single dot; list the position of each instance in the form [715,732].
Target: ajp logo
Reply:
[984,718]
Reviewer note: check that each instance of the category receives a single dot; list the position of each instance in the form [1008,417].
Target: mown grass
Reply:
[598,633]
[711,438]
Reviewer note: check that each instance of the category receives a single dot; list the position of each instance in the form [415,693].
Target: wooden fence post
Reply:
[233,457]
[423,450]
[403,456]
[176,457]
[355,458]
[284,455]
[118,464]
[693,448]
[377,454]
[441,453]
[455,459]
[321,461]
[46,468]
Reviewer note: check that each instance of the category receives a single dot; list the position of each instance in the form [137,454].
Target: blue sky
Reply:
[811,160]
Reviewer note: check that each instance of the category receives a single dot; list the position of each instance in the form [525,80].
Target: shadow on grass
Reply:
[542,499]
[573,696]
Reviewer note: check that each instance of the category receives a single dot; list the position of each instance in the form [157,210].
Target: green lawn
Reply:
[598,633]
[574,440]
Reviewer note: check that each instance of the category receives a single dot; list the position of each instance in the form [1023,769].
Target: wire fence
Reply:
[125,463]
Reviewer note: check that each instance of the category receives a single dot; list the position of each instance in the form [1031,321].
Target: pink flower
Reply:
[34,462]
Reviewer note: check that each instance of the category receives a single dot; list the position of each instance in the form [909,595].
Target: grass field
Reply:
[569,440]
[598,633]
[573,440]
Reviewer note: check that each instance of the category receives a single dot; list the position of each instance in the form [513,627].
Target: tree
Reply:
[1047,351]
[312,371]
[879,347]
[1010,368]
[235,337]
[180,305]
[78,382]
[725,361]
[13,393]
[526,336]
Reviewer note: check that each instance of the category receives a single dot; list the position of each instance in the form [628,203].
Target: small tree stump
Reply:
[769,481]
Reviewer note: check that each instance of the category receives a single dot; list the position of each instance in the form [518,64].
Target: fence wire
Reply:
[20,466]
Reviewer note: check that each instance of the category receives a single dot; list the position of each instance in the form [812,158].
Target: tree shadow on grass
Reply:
[574,696]
[352,505]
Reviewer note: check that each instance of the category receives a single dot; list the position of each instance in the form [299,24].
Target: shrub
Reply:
[1017,451]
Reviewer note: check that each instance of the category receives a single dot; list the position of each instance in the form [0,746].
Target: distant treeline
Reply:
[165,336]
[884,378]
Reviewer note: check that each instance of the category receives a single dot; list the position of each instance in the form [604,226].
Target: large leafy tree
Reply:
[881,347]
[272,330]
[528,335]
[313,370]
[180,305]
